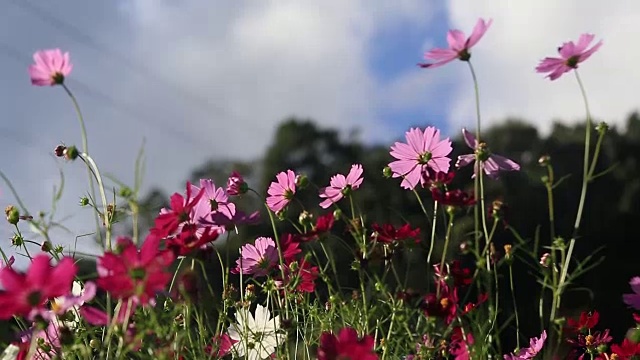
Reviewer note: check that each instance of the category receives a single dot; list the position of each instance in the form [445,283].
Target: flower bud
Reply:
[17,240]
[236,184]
[125,192]
[13,215]
[59,150]
[302,181]
[337,214]
[305,219]
[386,172]
[545,260]
[46,246]
[602,127]
[84,201]
[71,153]
[544,160]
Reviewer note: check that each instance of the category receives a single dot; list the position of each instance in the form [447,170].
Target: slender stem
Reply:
[477,170]
[85,149]
[433,231]
[105,214]
[444,250]
[583,195]
[549,186]
[515,305]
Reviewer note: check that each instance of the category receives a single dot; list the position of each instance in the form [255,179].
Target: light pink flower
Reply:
[423,151]
[571,55]
[214,200]
[492,164]
[257,258]
[459,46]
[50,68]
[535,346]
[27,294]
[282,191]
[339,186]
[633,300]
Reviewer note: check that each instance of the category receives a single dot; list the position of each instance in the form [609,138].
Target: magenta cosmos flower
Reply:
[281,191]
[633,300]
[339,186]
[236,184]
[570,56]
[347,345]
[50,68]
[491,163]
[458,46]
[423,151]
[27,294]
[133,274]
[257,258]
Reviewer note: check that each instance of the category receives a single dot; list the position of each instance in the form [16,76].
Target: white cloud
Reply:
[523,32]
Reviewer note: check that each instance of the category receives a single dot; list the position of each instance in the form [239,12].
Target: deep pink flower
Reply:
[257,259]
[9,263]
[458,46]
[586,322]
[633,300]
[626,350]
[289,247]
[423,151]
[236,184]
[570,56]
[346,346]
[180,212]
[323,225]
[492,164]
[214,200]
[388,234]
[340,186]
[459,347]
[191,238]
[132,274]
[27,294]
[443,306]
[220,346]
[299,276]
[281,191]
[50,68]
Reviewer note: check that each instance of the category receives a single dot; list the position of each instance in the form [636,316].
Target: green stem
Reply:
[515,306]
[583,195]
[549,186]
[85,149]
[106,216]
[433,231]
[444,250]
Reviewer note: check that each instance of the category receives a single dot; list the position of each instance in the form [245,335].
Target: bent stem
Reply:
[85,149]
[93,169]
[583,195]
[433,231]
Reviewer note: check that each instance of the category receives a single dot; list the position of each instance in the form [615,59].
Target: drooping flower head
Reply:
[459,46]
[281,191]
[492,164]
[255,335]
[50,67]
[133,274]
[423,151]
[633,300]
[341,186]
[236,184]
[27,294]
[571,54]
[347,345]
[257,259]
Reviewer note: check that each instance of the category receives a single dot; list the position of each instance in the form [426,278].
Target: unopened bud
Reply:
[13,215]
[602,127]
[305,219]
[544,160]
[71,153]
[302,181]
[59,150]
[386,172]
[84,201]
[46,246]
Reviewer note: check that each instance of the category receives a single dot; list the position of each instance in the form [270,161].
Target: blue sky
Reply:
[200,80]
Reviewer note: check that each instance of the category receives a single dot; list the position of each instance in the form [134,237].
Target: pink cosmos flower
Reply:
[282,191]
[535,346]
[459,46]
[50,68]
[236,184]
[213,200]
[491,164]
[220,346]
[571,55]
[347,345]
[423,151]
[633,300]
[258,258]
[133,274]
[27,294]
[341,186]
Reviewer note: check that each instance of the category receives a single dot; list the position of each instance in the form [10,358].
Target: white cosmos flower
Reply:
[257,335]
[10,353]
